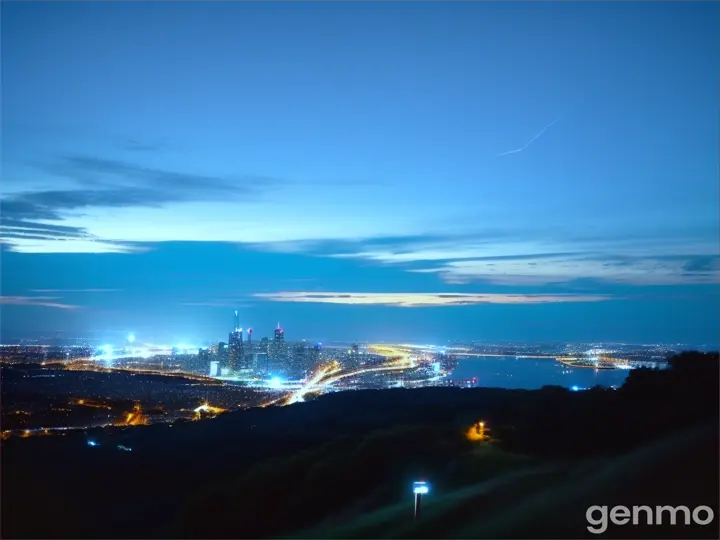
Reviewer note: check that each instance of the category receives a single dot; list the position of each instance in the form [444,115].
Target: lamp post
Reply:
[419,489]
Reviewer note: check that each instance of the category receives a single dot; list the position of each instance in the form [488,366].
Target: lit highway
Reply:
[397,359]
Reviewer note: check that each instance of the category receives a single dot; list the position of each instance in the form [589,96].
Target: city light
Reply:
[421,488]
[275,382]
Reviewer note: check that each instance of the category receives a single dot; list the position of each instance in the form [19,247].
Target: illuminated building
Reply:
[248,360]
[260,363]
[214,368]
[278,351]
[221,354]
[279,334]
[235,350]
[236,353]
[314,355]
[299,364]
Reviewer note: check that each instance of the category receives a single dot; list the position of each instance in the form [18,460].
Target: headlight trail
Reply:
[397,359]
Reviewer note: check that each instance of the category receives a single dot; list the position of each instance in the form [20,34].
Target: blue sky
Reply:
[344,167]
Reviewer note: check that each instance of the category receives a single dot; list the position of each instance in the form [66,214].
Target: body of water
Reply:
[533,373]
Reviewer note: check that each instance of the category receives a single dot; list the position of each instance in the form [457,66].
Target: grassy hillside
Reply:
[550,501]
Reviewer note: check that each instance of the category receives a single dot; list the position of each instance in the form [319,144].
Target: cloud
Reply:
[218,303]
[639,270]
[539,257]
[105,183]
[135,146]
[24,226]
[426,299]
[42,301]
[74,290]
[703,265]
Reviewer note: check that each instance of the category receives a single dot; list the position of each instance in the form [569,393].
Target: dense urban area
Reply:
[50,388]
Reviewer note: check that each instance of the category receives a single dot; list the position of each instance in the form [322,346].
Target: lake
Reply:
[533,373]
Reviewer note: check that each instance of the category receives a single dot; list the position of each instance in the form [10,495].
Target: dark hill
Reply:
[276,471]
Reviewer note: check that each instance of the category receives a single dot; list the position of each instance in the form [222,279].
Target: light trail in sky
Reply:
[536,137]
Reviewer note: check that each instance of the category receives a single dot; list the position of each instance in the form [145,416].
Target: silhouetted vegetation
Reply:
[350,456]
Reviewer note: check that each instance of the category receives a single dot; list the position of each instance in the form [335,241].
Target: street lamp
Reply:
[419,489]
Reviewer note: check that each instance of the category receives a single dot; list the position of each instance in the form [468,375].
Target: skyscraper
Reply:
[236,354]
[222,354]
[278,351]
[261,358]
[279,334]
[249,351]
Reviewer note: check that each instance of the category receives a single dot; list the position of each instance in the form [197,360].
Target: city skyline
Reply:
[421,173]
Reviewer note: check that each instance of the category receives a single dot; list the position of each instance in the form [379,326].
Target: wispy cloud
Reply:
[41,301]
[33,218]
[74,290]
[426,299]
[536,137]
[220,303]
[24,227]
[537,258]
[639,270]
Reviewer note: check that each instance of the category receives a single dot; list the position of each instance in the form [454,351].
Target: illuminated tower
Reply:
[248,356]
[236,354]
[278,353]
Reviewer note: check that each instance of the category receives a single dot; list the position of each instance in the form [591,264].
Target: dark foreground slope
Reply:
[343,458]
[550,501]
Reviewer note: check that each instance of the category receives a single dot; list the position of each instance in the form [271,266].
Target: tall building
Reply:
[314,355]
[222,354]
[261,358]
[214,368]
[248,359]
[299,365]
[236,352]
[279,334]
[204,358]
[278,356]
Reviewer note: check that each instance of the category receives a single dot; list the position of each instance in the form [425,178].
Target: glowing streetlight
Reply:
[419,489]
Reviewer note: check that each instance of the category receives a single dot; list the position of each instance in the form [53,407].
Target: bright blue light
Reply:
[575,388]
[420,488]
[275,382]
[92,443]
[107,349]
